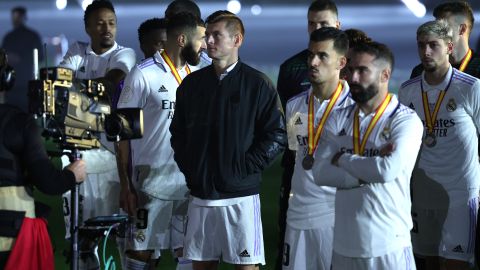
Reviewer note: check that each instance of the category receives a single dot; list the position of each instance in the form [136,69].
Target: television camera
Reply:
[74,113]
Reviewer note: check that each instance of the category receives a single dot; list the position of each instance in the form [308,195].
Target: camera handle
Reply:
[74,155]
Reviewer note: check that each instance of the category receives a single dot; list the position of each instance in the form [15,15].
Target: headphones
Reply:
[7,73]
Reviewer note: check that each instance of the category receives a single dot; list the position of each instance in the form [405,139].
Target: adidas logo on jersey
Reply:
[342,132]
[411,106]
[162,89]
[458,249]
[298,121]
[244,254]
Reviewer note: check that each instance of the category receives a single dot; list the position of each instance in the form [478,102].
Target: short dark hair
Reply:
[321,5]
[461,8]
[340,39]
[378,50]
[233,22]
[184,22]
[96,5]
[150,25]
[20,10]
[356,36]
[178,6]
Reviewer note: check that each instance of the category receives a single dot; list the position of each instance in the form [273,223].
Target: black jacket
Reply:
[225,133]
[22,151]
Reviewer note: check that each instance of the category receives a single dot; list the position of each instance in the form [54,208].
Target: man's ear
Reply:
[342,62]
[182,40]
[386,74]
[449,47]
[463,29]
[238,39]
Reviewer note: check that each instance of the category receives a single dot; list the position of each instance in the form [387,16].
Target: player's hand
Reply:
[387,150]
[79,169]
[128,200]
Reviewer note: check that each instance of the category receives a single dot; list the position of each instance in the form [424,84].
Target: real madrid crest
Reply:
[140,237]
[386,134]
[451,105]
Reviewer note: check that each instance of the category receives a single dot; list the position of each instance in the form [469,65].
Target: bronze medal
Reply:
[307,162]
[430,140]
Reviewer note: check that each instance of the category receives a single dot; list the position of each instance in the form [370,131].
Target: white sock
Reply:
[184,264]
[132,264]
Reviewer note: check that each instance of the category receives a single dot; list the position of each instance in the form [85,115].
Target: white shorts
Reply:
[397,260]
[99,192]
[158,225]
[446,233]
[231,233]
[308,249]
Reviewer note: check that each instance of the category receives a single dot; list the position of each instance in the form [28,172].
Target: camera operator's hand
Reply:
[78,168]
[128,200]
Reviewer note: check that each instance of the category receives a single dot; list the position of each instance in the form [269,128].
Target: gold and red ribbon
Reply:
[314,138]
[170,64]
[466,60]
[359,147]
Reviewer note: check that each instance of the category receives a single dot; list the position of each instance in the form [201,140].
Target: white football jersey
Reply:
[310,206]
[453,161]
[372,219]
[86,64]
[152,86]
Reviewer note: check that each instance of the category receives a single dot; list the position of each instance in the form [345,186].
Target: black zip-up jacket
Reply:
[225,133]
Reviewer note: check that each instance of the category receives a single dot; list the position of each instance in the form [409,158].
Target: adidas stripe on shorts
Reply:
[230,233]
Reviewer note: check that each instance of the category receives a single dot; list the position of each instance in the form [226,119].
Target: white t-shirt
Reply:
[86,64]
[373,219]
[152,86]
[310,205]
[453,161]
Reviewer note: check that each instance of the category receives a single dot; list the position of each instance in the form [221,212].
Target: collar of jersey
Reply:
[90,51]
[159,59]
[441,86]
[391,107]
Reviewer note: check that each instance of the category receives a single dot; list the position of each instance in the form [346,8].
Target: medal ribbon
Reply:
[359,147]
[429,117]
[172,67]
[314,138]
[466,60]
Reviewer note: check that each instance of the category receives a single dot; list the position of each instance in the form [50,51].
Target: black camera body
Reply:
[74,113]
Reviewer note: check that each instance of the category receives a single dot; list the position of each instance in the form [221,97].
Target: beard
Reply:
[362,94]
[190,55]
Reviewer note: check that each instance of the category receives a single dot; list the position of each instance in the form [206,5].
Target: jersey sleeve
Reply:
[291,131]
[406,137]
[135,90]
[473,104]
[123,60]
[71,58]
[324,173]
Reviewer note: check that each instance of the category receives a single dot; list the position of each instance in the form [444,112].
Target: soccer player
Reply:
[156,194]
[369,154]
[101,59]
[311,211]
[445,183]
[178,6]
[459,15]
[227,128]
[152,35]
[293,80]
